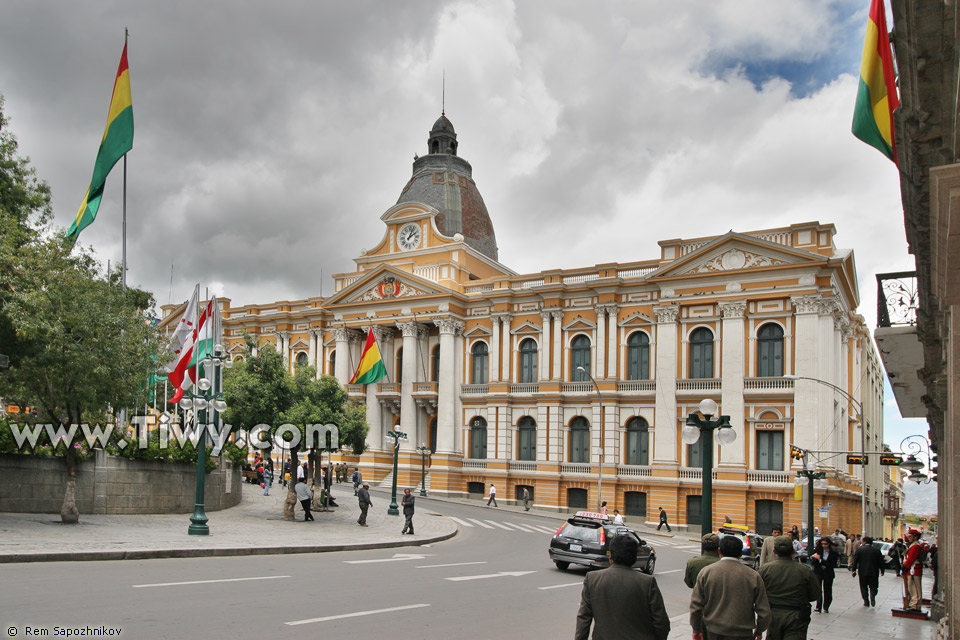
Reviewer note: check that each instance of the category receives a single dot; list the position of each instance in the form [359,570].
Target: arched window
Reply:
[527,428]
[638,442]
[579,440]
[238,359]
[528,360]
[701,353]
[435,364]
[398,367]
[333,363]
[480,363]
[301,359]
[638,356]
[770,351]
[580,357]
[478,438]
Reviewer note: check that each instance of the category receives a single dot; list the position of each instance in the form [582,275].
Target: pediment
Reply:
[636,320]
[477,331]
[526,328]
[299,344]
[386,283]
[237,347]
[735,252]
[579,324]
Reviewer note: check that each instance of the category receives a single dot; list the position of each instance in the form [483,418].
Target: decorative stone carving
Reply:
[556,315]
[355,337]
[382,333]
[610,309]
[340,334]
[807,304]
[409,329]
[449,325]
[391,287]
[733,309]
[807,281]
[666,315]
[733,260]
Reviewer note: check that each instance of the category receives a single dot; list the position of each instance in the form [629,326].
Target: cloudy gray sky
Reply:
[270,137]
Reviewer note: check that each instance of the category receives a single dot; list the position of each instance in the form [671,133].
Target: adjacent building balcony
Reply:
[898,341]
[388,389]
[427,389]
[357,390]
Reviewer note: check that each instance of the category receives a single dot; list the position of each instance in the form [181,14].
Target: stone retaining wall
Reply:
[111,485]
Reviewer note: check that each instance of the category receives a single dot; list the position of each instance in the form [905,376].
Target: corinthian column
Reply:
[342,363]
[600,369]
[506,347]
[543,366]
[733,366]
[408,408]
[494,373]
[665,434]
[557,342]
[448,383]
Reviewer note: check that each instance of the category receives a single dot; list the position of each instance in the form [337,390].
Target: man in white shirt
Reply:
[493,495]
[617,518]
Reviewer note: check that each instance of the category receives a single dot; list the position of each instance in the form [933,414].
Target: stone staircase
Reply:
[387,483]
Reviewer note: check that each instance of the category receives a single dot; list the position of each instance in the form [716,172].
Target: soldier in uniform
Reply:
[790,589]
[709,544]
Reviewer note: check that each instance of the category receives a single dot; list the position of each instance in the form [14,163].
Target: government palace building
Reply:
[575,383]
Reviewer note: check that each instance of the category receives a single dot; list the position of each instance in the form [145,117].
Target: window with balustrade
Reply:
[580,357]
[701,353]
[770,351]
[480,355]
[579,440]
[638,441]
[528,360]
[435,364]
[770,450]
[527,436]
[638,356]
[478,438]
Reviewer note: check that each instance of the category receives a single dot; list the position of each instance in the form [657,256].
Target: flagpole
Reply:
[123,274]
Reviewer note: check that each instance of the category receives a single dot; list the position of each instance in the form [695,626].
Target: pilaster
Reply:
[665,433]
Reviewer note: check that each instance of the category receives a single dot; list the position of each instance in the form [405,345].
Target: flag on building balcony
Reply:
[371,368]
[877,95]
[117,140]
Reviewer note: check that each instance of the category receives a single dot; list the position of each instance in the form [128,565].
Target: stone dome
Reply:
[444,181]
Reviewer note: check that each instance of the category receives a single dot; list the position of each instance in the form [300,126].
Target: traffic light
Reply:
[797,453]
[855,459]
[891,459]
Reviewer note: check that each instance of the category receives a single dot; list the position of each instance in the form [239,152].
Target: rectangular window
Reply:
[580,445]
[693,509]
[770,450]
[637,447]
[694,457]
[528,444]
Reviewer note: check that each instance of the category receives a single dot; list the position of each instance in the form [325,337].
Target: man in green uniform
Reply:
[708,547]
[791,587]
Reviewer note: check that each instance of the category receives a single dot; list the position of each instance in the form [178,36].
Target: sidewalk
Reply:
[254,527]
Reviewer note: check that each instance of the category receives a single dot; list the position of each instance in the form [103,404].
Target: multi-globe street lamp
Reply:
[599,449]
[702,429]
[914,446]
[210,399]
[863,443]
[397,436]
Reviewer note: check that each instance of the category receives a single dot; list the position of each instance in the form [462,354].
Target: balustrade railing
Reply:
[424,387]
[474,389]
[767,384]
[523,465]
[637,385]
[576,387]
[575,467]
[526,387]
[474,464]
[778,477]
[634,471]
[698,384]
[388,387]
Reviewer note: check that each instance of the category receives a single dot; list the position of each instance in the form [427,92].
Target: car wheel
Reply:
[651,565]
[561,564]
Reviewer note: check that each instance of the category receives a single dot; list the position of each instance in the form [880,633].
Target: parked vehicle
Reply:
[752,543]
[584,540]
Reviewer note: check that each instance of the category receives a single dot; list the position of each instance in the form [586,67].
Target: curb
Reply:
[146,554]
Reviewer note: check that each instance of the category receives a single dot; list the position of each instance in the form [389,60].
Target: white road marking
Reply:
[497,524]
[660,573]
[480,522]
[452,564]
[518,526]
[397,557]
[687,546]
[459,521]
[560,586]
[176,584]
[490,575]
[356,614]
[545,529]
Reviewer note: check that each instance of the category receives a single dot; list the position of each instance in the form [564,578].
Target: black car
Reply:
[584,539]
[752,544]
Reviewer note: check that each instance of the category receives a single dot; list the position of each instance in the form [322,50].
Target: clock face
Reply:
[409,237]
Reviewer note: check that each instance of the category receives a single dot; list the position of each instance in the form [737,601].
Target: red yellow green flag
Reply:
[877,95]
[371,367]
[117,140]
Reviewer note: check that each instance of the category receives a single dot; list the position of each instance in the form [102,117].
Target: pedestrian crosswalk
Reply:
[505,525]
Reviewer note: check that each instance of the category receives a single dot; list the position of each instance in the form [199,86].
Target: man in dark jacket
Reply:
[709,544]
[868,560]
[790,587]
[622,604]
[363,497]
[407,503]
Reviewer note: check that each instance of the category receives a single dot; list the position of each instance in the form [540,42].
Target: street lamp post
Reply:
[702,429]
[423,469]
[914,446]
[210,398]
[600,448]
[397,436]
[863,443]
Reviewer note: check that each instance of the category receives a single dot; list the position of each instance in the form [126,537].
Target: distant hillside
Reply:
[920,499]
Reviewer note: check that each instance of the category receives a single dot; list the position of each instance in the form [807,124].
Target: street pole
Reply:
[600,448]
[701,429]
[397,436]
[706,502]
[423,470]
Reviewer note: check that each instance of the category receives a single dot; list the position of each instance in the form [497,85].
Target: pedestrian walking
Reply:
[790,588]
[603,508]
[868,560]
[267,477]
[934,566]
[824,563]
[663,520]
[896,553]
[729,599]
[526,499]
[849,547]
[493,495]
[357,480]
[304,495]
[620,602]
[708,555]
[913,571]
[363,496]
[408,509]
[767,553]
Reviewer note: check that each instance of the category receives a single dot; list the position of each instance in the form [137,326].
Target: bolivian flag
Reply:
[117,140]
[877,95]
[371,366]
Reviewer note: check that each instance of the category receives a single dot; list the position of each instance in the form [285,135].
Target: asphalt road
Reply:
[493,580]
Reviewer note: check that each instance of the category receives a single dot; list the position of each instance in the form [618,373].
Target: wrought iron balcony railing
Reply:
[897,299]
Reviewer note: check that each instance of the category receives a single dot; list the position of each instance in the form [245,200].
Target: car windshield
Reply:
[581,532]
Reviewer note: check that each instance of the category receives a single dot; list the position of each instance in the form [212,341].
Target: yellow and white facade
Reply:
[483,363]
